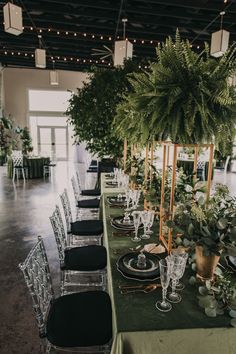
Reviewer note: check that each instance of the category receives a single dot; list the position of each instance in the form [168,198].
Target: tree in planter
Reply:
[184,95]
[92,109]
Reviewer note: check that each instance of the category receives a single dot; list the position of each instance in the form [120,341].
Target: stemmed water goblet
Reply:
[125,181]
[184,256]
[150,222]
[165,271]
[115,171]
[145,220]
[128,198]
[119,177]
[136,221]
[176,264]
[135,195]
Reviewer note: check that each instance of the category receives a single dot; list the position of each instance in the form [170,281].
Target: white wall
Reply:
[17,82]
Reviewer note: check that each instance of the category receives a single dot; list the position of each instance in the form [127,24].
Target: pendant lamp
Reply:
[219,40]
[123,48]
[54,76]
[12,15]
[40,55]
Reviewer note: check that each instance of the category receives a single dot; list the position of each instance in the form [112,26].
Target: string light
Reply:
[98,36]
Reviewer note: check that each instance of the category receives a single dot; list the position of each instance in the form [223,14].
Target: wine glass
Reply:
[145,221]
[125,181]
[136,220]
[180,285]
[176,264]
[150,222]
[128,197]
[135,195]
[115,171]
[165,270]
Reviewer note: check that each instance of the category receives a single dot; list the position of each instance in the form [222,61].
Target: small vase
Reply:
[206,265]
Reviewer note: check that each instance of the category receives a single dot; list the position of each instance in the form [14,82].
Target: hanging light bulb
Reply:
[54,75]
[219,40]
[12,19]
[40,55]
[123,48]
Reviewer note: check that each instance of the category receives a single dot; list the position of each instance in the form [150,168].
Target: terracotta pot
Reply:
[206,265]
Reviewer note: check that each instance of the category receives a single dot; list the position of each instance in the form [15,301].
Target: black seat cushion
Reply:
[87,227]
[87,258]
[91,192]
[88,203]
[80,320]
[92,170]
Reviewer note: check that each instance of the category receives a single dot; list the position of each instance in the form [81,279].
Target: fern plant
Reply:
[184,95]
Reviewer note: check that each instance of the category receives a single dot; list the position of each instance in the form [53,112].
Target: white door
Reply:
[53,142]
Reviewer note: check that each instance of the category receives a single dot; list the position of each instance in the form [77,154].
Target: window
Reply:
[48,101]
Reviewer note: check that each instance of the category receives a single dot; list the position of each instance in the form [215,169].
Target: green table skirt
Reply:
[34,165]
[139,328]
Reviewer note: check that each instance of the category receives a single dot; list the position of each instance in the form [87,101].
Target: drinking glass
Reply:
[145,220]
[179,284]
[135,195]
[136,220]
[150,222]
[176,265]
[128,197]
[115,170]
[165,270]
[125,181]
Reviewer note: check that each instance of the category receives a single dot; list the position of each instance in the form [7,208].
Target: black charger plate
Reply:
[127,266]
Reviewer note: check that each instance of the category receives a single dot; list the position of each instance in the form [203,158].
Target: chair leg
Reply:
[13,174]
[23,173]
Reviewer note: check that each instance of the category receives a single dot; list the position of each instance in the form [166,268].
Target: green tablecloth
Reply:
[139,328]
[188,165]
[108,189]
[34,165]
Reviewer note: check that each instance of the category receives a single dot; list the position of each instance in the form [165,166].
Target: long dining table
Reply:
[138,327]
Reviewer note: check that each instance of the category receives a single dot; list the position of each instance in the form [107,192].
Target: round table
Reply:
[34,165]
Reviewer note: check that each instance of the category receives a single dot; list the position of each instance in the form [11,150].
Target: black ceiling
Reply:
[70,29]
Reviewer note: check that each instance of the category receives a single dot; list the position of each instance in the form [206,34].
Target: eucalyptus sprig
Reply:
[219,296]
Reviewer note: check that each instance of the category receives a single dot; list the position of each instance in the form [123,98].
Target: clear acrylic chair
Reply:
[95,192]
[90,206]
[80,266]
[18,165]
[85,231]
[78,322]
[201,169]
[48,168]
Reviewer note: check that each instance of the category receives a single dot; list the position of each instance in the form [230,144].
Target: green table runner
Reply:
[136,319]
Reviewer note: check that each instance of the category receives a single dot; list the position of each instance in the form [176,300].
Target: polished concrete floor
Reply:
[24,212]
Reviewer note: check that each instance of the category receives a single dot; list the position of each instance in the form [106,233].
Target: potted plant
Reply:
[26,141]
[212,227]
